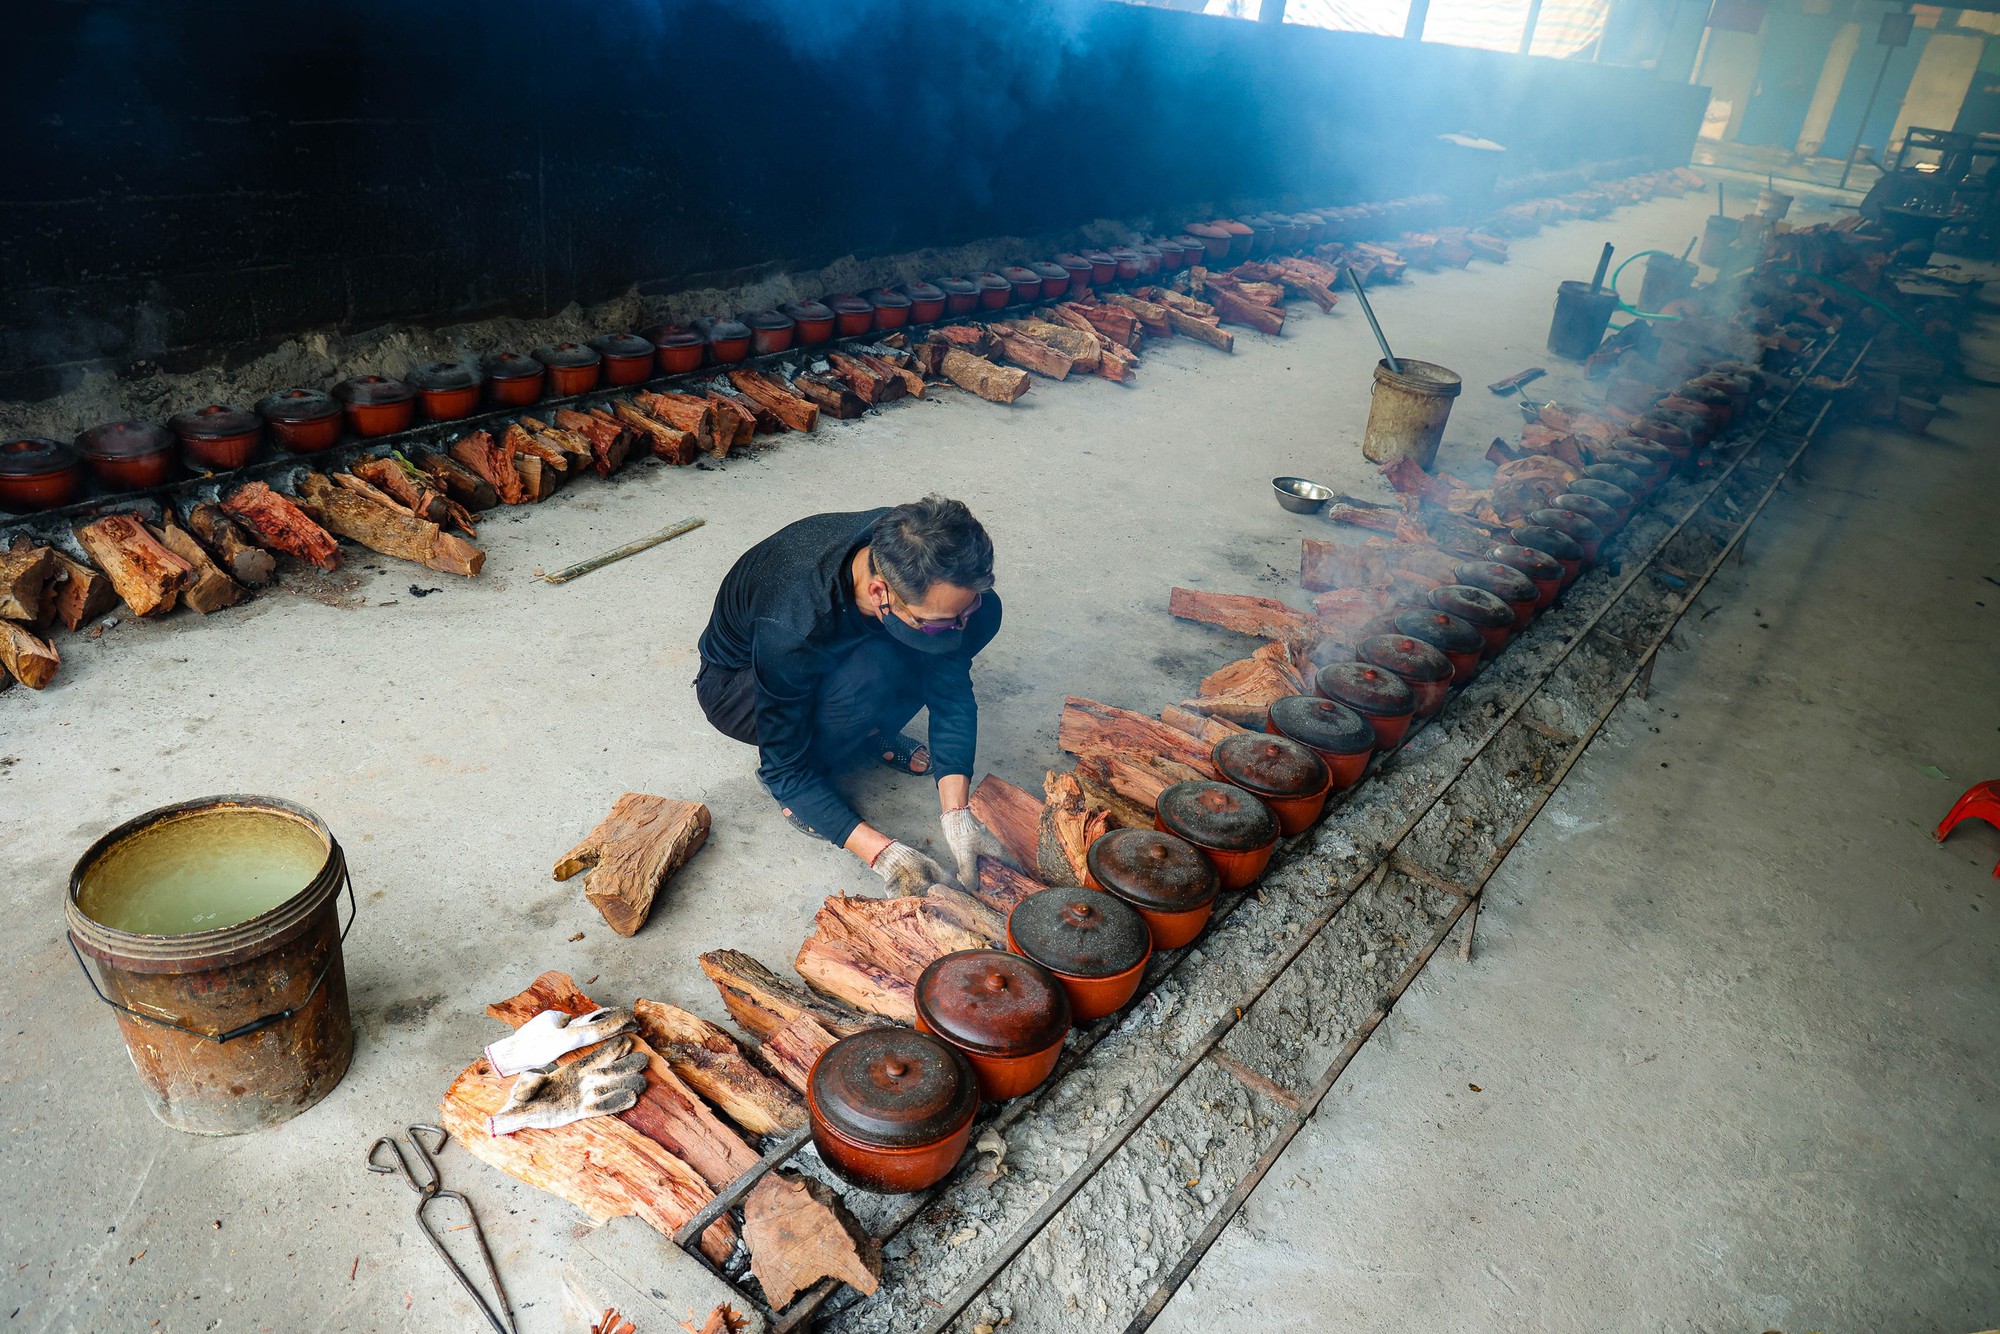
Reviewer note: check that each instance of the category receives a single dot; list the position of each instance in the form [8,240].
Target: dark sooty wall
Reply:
[197,178]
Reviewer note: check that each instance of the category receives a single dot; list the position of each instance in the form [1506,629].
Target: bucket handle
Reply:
[241,1030]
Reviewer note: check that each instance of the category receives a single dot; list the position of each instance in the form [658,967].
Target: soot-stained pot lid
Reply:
[1324,724]
[371,391]
[444,375]
[1558,544]
[849,304]
[959,286]
[1221,816]
[1623,478]
[623,345]
[769,319]
[36,456]
[298,405]
[993,281]
[894,1087]
[1500,579]
[1537,565]
[1412,659]
[1440,629]
[569,356]
[510,366]
[993,1002]
[1603,492]
[1080,932]
[1367,689]
[1045,270]
[1476,606]
[1153,869]
[924,292]
[1579,528]
[1601,516]
[1270,766]
[888,296]
[117,440]
[215,422]
[807,310]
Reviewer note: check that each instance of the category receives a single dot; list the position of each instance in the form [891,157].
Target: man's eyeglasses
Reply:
[945,626]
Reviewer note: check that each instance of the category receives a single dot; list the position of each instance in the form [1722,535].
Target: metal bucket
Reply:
[1667,279]
[1581,314]
[236,1028]
[1407,412]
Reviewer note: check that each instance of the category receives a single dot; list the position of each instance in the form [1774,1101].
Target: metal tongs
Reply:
[430,1187]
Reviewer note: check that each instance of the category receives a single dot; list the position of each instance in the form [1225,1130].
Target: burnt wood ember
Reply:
[738,412]
[479,452]
[896,363]
[1327,565]
[1137,780]
[1118,325]
[538,483]
[1235,306]
[1120,811]
[145,574]
[27,657]
[633,852]
[1193,319]
[209,589]
[667,444]
[762,1002]
[393,532]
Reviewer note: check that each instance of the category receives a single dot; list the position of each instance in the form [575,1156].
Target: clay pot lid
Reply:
[962,286]
[849,304]
[373,391]
[1190,242]
[1632,462]
[1324,724]
[1020,273]
[993,1002]
[924,292]
[1368,690]
[1100,257]
[673,336]
[1604,493]
[1580,529]
[298,405]
[124,440]
[991,281]
[510,366]
[1044,269]
[1079,932]
[1309,219]
[806,310]
[1475,606]
[444,375]
[1645,449]
[217,421]
[1259,226]
[1232,227]
[36,456]
[1073,264]
[1694,391]
[1122,252]
[1145,248]
[1405,655]
[893,1087]
[1602,516]
[1631,483]
[1270,766]
[623,345]
[1502,581]
[1217,815]
[1154,869]
[1538,565]
[1552,540]
[770,319]
[890,297]
[1168,246]
[721,331]
[1440,629]
[568,356]
[1208,231]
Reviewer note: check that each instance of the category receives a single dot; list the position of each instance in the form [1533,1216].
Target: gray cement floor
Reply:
[460,742]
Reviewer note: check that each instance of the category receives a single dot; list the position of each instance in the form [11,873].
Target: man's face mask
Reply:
[933,635]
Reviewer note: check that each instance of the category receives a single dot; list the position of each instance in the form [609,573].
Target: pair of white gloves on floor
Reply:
[908,871]
[548,1095]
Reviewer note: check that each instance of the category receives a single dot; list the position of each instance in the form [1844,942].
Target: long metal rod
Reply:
[726,1198]
[1869,110]
[1373,323]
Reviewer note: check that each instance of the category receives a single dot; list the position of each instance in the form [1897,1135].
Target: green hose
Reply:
[1627,306]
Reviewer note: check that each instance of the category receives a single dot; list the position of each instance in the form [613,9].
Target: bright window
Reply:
[1386,17]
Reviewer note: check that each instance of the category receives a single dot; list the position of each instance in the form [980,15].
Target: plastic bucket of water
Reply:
[1407,412]
[213,930]
[1581,314]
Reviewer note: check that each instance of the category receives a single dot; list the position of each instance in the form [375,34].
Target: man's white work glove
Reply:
[970,840]
[909,871]
[608,1080]
[551,1034]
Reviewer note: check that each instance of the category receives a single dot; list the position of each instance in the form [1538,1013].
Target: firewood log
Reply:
[776,397]
[870,952]
[761,1001]
[1001,887]
[694,414]
[1243,691]
[210,589]
[834,397]
[996,384]
[390,531]
[1326,565]
[1266,618]
[1119,325]
[610,442]
[1092,729]
[1152,318]
[1034,355]
[251,566]
[833,967]
[786,1225]
[766,421]
[1012,814]
[517,439]
[1236,308]
[872,386]
[1202,726]
[481,453]
[974,338]
[1190,318]
[25,575]
[667,444]
[632,852]
[84,594]
[387,475]
[369,492]
[898,367]
[791,1048]
[1263,293]
[574,447]
[1119,811]
[538,481]
[26,657]
[738,412]
[145,574]
[1069,827]
[1084,350]
[1138,781]
[711,1063]
[461,483]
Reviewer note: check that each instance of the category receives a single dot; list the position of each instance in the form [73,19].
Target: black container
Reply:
[1581,314]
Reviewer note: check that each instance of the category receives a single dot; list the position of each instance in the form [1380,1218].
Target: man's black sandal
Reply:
[897,753]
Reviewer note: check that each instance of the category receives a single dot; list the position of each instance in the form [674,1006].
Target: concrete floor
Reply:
[460,742]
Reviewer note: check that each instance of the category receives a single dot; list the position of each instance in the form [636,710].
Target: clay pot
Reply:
[1601,516]
[1490,618]
[1079,270]
[376,405]
[961,295]
[1004,1012]
[1566,550]
[680,350]
[1624,479]
[448,390]
[1240,236]
[1617,499]
[892,308]
[1461,644]
[1055,279]
[926,303]
[1234,829]
[1285,775]
[1378,696]
[1027,284]
[728,340]
[1096,945]
[37,473]
[628,358]
[1425,670]
[512,380]
[1674,436]
[1125,261]
[303,421]
[128,455]
[1263,236]
[1737,388]
[1170,881]
[1587,535]
[1504,582]
[892,1109]
[1664,456]
[1150,259]
[994,290]
[217,437]
[1103,267]
[573,368]
[1173,255]
[1650,472]
[814,321]
[1544,570]
[1214,241]
[1315,226]
[854,316]
[1342,738]
[771,331]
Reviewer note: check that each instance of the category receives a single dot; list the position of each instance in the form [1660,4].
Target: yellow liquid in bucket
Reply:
[201,872]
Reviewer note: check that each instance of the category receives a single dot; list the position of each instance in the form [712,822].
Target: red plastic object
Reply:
[1980,802]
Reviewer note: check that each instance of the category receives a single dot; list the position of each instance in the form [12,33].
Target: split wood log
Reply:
[419,498]
[27,657]
[632,852]
[275,523]
[762,1002]
[872,386]
[461,483]
[974,338]
[145,574]
[1138,781]
[1362,514]
[1181,301]
[1201,330]
[737,412]
[610,442]
[1084,349]
[209,589]
[479,451]
[368,491]
[995,384]
[1152,318]
[1034,355]
[538,482]
[575,445]
[668,444]
[1002,887]
[251,566]
[1202,726]
[1236,308]
[1068,829]
[792,1248]
[766,421]
[898,365]
[84,593]
[791,1048]
[392,532]
[694,414]
[870,952]
[1089,728]
[708,1059]
[518,441]
[1327,565]
[1248,703]
[1263,293]
[776,397]
[1012,814]
[25,575]
[1119,811]
[1266,618]
[1118,325]
[834,397]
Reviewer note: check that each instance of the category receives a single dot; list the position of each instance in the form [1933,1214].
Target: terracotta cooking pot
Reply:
[1490,618]
[1342,738]
[512,380]
[994,290]
[815,321]
[1214,241]
[1578,529]
[1617,499]
[1236,830]
[1169,880]
[376,405]
[1079,270]
[37,473]
[1006,1013]
[1055,278]
[1461,644]
[926,303]
[961,295]
[1566,550]
[770,331]
[628,358]
[1379,696]
[1424,670]
[1544,570]
[892,308]
[728,340]
[1126,262]
[1103,267]
[448,390]
[573,368]
[303,421]
[892,1109]
[218,437]
[680,350]
[854,315]
[1504,582]
[1284,774]
[1095,943]
[1602,517]
[1624,479]
[1027,284]
[128,455]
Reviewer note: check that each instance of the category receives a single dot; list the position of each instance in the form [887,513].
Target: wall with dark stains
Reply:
[196,179]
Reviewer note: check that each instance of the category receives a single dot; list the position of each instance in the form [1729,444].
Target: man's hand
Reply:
[970,840]
[908,871]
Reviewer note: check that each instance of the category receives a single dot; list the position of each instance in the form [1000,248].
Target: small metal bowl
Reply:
[1300,496]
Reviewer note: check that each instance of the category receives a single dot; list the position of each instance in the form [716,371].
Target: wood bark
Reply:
[1119,810]
[251,566]
[1201,726]
[392,532]
[897,365]
[1092,729]
[461,483]
[1034,355]
[1327,565]
[737,412]
[792,1247]
[869,952]
[974,338]
[1266,618]
[1002,887]
[694,414]
[519,440]
[1120,326]
[27,657]
[1085,349]
[1012,814]
[610,442]
[537,481]
[84,593]
[1138,781]
[419,498]
[1152,318]
[834,397]
[1203,331]
[872,386]
[481,453]
[762,1002]
[1069,826]
[995,384]
[1235,307]
[25,575]
[708,1059]
[210,589]
[790,1049]
[574,447]
[767,422]
[632,852]
[145,574]
[672,446]
[777,397]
